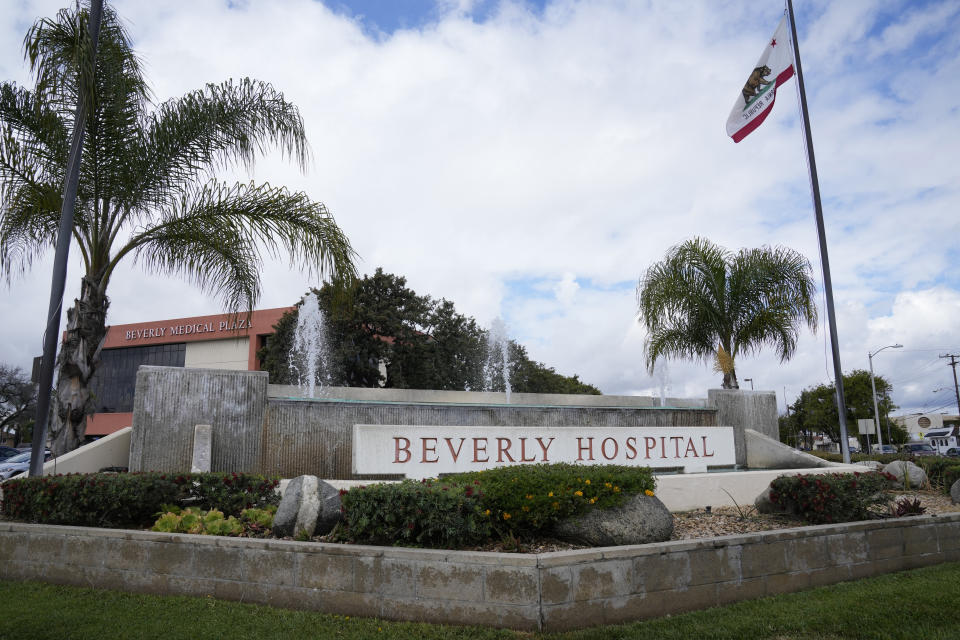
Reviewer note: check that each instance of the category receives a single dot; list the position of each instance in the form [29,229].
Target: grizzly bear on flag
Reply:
[756,80]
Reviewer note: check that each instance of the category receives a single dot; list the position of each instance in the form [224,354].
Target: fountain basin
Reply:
[261,428]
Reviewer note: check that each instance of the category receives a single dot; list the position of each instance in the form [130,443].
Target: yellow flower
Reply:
[587,481]
[550,495]
[648,492]
[607,485]
[556,505]
[592,500]
[526,508]
[506,516]
[578,493]
[529,496]
[487,512]
[616,489]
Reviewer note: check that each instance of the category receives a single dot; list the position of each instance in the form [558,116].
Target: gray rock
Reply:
[329,514]
[309,507]
[955,492]
[639,520]
[764,504]
[907,473]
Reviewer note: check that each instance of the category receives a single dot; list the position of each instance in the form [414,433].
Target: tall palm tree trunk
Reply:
[730,380]
[76,364]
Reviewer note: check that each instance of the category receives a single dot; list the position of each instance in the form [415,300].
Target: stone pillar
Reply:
[741,410]
[202,448]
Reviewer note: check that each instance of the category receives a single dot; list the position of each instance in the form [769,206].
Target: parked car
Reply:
[918,449]
[8,452]
[952,452]
[887,448]
[18,464]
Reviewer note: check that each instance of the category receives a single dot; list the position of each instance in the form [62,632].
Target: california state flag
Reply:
[755,102]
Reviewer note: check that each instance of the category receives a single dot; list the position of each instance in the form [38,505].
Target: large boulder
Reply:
[907,474]
[640,519]
[309,507]
[955,492]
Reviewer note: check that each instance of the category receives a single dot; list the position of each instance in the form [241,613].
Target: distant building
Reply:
[918,425]
[221,341]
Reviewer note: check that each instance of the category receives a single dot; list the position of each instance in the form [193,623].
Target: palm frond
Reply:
[684,294]
[701,295]
[192,136]
[215,236]
[61,58]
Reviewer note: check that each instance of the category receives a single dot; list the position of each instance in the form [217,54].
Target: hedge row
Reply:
[130,499]
[941,470]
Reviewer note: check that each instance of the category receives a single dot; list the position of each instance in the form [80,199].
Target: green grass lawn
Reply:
[923,604]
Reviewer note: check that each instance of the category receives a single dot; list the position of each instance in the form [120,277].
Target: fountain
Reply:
[662,375]
[497,364]
[310,355]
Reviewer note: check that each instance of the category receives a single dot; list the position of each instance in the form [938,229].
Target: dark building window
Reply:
[115,378]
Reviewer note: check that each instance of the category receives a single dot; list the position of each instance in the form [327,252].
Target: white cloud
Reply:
[583,141]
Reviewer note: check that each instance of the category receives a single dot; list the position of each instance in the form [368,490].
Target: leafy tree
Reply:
[147,188]
[703,302]
[18,403]
[530,376]
[815,410]
[423,343]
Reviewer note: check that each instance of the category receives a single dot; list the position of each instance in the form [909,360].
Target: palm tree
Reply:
[147,188]
[703,302]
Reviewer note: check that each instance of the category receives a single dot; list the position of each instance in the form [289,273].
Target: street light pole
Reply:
[873,386]
[750,380]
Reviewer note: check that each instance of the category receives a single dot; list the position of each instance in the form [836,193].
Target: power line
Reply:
[953,364]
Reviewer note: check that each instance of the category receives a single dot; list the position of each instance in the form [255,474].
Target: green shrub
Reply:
[262,518]
[883,458]
[530,499]
[129,499]
[93,500]
[253,523]
[941,471]
[430,513]
[468,508]
[951,474]
[231,492]
[192,520]
[832,497]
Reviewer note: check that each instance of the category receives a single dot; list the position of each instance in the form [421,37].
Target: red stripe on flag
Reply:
[785,75]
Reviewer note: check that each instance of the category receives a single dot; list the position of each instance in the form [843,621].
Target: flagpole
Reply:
[824,260]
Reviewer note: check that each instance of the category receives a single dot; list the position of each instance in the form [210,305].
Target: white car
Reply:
[18,464]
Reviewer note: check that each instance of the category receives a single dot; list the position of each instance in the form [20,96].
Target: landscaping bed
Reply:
[719,521]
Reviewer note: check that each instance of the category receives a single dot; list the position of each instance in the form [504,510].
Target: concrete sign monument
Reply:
[427,451]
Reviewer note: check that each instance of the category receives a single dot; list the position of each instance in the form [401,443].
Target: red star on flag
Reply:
[773,42]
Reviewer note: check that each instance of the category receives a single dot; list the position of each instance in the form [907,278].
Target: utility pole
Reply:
[953,363]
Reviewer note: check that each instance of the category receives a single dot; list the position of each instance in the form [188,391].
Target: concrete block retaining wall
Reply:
[550,591]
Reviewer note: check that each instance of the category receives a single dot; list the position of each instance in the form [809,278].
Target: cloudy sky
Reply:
[531,159]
